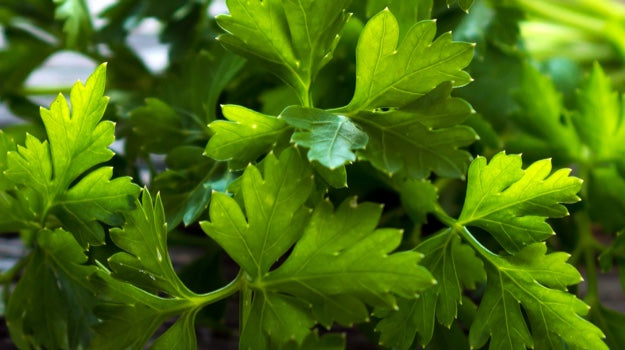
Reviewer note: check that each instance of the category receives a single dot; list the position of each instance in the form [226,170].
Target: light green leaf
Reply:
[294,46]
[78,26]
[51,306]
[511,203]
[391,76]
[95,197]
[537,283]
[244,137]
[274,209]
[76,143]
[421,137]
[455,267]
[329,137]
[342,263]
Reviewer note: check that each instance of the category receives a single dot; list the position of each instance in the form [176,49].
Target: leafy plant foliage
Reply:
[322,149]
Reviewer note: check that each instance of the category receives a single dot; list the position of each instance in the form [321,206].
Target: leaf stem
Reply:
[462,230]
[212,297]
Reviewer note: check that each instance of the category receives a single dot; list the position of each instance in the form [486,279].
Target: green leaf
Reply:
[274,209]
[78,26]
[130,316]
[15,209]
[145,257]
[95,197]
[342,259]
[606,197]
[282,317]
[511,203]
[421,137]
[294,39]
[195,89]
[143,291]
[455,267]
[244,137]
[76,143]
[407,12]
[391,76]
[50,306]
[329,137]
[537,283]
[155,128]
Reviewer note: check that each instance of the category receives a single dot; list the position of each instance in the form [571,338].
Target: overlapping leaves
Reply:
[511,204]
[46,173]
[339,264]
[131,291]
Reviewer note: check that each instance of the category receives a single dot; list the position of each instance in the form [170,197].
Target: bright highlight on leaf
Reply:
[76,143]
[512,204]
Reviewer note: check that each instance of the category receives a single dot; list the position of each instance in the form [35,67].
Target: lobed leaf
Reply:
[294,46]
[391,76]
[455,267]
[274,209]
[536,282]
[331,138]
[421,137]
[76,143]
[511,203]
[51,305]
[244,137]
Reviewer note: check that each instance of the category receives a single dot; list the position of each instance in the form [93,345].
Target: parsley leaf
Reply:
[274,208]
[294,46]
[133,310]
[75,144]
[340,262]
[537,282]
[391,76]
[51,305]
[455,266]
[421,137]
[511,203]
[244,137]
[330,137]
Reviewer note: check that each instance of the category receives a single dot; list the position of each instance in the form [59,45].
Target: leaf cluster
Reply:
[343,164]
